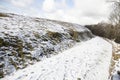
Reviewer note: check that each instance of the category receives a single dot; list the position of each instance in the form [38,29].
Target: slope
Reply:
[85,61]
[27,40]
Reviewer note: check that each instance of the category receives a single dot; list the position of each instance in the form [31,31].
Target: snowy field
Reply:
[88,60]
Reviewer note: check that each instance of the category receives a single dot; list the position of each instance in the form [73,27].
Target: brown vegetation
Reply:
[115,56]
[106,30]
[3,15]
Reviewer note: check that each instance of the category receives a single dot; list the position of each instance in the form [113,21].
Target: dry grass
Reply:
[3,15]
[115,56]
[112,65]
[56,37]
[74,34]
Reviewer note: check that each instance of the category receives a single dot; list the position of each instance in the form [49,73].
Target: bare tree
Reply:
[115,19]
[115,14]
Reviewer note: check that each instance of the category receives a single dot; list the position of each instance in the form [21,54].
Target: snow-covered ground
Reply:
[85,61]
[115,75]
[26,40]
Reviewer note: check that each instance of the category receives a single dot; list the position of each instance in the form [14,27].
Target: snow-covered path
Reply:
[89,60]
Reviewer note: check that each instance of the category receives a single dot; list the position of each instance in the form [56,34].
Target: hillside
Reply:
[27,40]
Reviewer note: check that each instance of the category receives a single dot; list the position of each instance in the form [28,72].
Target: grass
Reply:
[74,35]
[3,15]
[36,34]
[57,37]
[115,57]
[78,78]
[13,63]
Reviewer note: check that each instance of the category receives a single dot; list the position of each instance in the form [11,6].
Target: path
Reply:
[88,60]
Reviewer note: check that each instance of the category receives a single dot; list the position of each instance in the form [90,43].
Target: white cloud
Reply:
[21,3]
[95,7]
[89,11]
[83,12]
[48,5]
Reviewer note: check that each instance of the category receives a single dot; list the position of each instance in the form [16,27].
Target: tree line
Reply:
[109,30]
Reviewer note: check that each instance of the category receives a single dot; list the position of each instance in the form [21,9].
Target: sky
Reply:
[76,11]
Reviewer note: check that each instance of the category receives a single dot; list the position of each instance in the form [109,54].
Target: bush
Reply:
[106,30]
[55,36]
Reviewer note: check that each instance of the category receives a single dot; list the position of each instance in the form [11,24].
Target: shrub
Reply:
[106,30]
[55,36]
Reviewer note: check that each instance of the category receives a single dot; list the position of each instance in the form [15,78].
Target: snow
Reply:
[88,60]
[115,75]
[36,37]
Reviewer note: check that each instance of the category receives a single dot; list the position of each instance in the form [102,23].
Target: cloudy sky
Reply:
[75,11]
